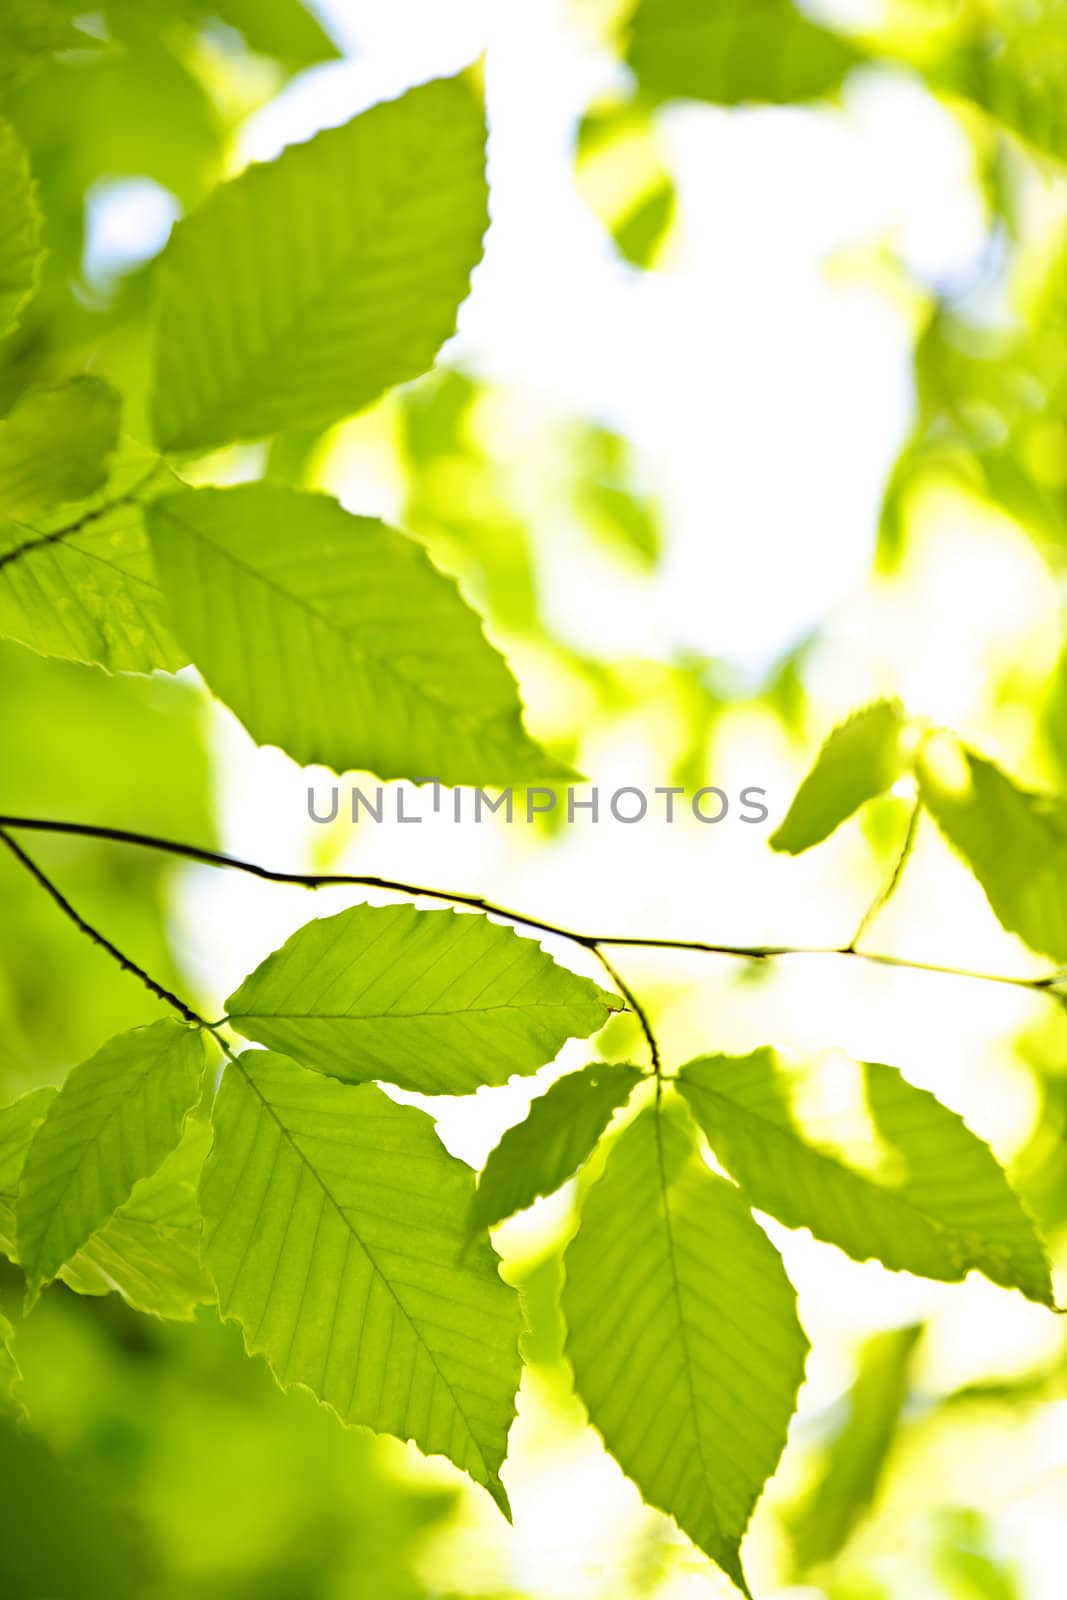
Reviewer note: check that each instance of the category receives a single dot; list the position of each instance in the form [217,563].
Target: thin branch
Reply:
[97,937]
[588,941]
[889,889]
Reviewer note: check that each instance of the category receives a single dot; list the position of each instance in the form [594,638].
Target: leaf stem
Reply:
[593,942]
[889,888]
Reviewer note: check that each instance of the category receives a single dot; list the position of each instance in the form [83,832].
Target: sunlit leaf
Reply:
[883,1170]
[730,51]
[149,1251]
[623,176]
[861,759]
[1014,842]
[113,1121]
[683,1334]
[334,637]
[334,1226]
[284,29]
[310,284]
[539,1154]
[429,1000]
[854,1458]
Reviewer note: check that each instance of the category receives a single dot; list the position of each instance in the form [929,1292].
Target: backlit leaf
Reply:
[20,227]
[539,1154]
[883,1170]
[113,1121]
[310,284]
[1014,842]
[861,759]
[333,1227]
[334,637]
[683,1334]
[430,1000]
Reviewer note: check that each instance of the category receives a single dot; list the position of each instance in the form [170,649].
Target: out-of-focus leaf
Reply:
[55,445]
[334,637]
[430,1000]
[112,1123]
[883,1170]
[732,51]
[284,29]
[861,759]
[18,1124]
[1014,842]
[310,284]
[614,509]
[334,1230]
[62,1541]
[623,177]
[965,1559]
[539,1154]
[10,1376]
[682,1332]
[20,227]
[1014,65]
[854,1457]
[33,29]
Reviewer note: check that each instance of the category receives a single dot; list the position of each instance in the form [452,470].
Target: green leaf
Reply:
[861,759]
[1014,842]
[431,1000]
[18,1124]
[1016,71]
[284,29]
[10,1376]
[336,638]
[682,1332]
[538,1155]
[80,583]
[732,51]
[55,444]
[855,1456]
[149,1251]
[62,1539]
[20,227]
[308,286]
[883,1170]
[333,1225]
[113,1121]
[623,177]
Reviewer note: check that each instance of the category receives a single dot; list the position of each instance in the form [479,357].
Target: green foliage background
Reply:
[502,1252]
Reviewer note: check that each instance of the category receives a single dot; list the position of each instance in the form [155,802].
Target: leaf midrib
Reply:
[466,719]
[490,1475]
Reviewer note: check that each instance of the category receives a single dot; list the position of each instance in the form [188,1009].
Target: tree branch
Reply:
[96,936]
[594,942]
